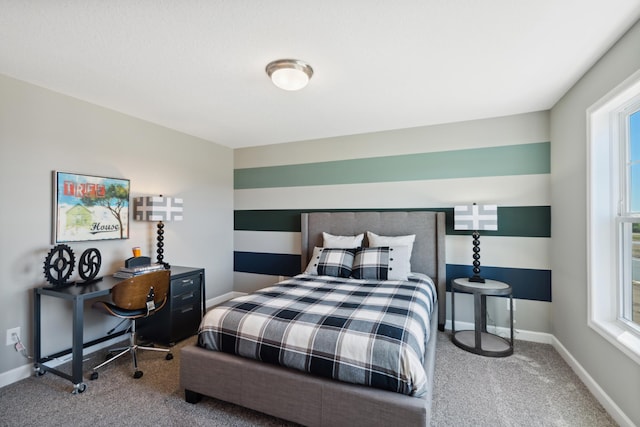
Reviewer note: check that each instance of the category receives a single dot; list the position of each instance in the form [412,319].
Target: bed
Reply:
[311,399]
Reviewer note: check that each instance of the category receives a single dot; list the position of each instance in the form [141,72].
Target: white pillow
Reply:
[342,242]
[376,241]
[312,267]
[399,262]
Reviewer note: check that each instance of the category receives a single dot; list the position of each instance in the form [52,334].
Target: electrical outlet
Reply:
[11,340]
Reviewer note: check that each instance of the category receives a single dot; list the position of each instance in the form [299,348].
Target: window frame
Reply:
[606,185]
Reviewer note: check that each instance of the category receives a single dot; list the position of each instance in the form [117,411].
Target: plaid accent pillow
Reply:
[382,263]
[335,262]
[371,263]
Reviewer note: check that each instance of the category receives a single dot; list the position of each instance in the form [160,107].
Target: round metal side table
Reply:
[480,341]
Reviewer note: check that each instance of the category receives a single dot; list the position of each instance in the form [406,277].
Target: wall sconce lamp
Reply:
[289,74]
[477,218]
[160,209]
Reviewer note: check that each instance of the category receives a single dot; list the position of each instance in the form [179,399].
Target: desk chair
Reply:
[139,296]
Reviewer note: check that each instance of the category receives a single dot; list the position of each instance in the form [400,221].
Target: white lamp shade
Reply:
[475,217]
[289,79]
[157,208]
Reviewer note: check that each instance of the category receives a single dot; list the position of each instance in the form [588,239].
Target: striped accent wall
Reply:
[513,174]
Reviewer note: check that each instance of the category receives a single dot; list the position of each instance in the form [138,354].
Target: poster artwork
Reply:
[90,208]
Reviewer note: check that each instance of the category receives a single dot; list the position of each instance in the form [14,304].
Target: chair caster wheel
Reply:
[169,356]
[137,374]
[94,376]
[79,388]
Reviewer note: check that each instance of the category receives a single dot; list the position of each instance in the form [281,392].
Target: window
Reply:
[614,216]
[629,215]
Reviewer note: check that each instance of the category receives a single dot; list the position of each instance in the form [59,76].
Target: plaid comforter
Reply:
[358,331]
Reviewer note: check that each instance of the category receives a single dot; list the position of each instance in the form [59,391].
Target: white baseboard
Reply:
[504,332]
[15,375]
[595,389]
[222,298]
[25,371]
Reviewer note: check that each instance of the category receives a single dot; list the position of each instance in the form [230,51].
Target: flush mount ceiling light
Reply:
[289,74]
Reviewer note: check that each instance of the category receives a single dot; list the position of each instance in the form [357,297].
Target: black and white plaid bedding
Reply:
[358,331]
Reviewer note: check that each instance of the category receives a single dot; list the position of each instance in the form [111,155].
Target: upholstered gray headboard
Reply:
[428,254]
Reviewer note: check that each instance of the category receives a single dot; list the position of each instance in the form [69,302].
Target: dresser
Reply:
[180,317]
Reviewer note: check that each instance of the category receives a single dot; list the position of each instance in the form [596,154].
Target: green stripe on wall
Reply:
[513,221]
[521,159]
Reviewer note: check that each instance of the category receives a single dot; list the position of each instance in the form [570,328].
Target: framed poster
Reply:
[87,208]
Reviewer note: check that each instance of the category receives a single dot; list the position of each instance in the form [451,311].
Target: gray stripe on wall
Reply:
[523,159]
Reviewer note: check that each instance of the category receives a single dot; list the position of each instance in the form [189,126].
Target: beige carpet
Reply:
[533,387]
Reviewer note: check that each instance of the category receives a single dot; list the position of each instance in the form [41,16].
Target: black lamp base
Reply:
[476,259]
[476,279]
[160,244]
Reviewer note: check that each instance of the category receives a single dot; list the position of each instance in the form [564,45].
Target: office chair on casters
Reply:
[139,296]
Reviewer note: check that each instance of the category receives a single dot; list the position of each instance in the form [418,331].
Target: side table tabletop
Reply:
[480,341]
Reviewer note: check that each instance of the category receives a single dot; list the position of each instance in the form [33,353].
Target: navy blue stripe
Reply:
[527,284]
[266,263]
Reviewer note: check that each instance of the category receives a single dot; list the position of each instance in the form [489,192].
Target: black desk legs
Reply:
[77,344]
[77,347]
[37,350]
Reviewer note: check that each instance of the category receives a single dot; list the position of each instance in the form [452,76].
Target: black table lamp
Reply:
[158,209]
[476,218]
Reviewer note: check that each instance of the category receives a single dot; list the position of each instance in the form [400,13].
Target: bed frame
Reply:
[312,400]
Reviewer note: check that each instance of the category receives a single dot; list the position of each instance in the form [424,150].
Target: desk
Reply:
[78,295]
[480,341]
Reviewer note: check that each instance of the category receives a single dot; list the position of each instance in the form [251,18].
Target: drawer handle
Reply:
[187,296]
[187,282]
[184,310]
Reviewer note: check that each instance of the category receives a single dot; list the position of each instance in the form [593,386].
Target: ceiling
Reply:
[198,66]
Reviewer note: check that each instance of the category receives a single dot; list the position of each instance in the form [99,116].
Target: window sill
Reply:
[625,340]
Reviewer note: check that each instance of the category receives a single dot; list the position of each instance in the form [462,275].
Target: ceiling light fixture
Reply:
[289,74]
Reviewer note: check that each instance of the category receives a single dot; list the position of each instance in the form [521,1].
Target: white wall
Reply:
[617,374]
[42,131]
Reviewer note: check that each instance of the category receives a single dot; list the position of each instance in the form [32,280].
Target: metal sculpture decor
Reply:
[89,266]
[58,265]
[60,262]
[476,218]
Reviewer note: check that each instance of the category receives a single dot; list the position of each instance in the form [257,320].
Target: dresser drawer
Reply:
[185,321]
[186,299]
[185,285]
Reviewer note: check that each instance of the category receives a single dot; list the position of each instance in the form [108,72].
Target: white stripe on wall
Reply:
[500,251]
[500,131]
[519,190]
[495,251]
[275,242]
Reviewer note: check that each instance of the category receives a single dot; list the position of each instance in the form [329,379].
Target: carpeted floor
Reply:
[533,387]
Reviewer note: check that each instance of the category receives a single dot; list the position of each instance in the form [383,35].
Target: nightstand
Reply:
[480,341]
